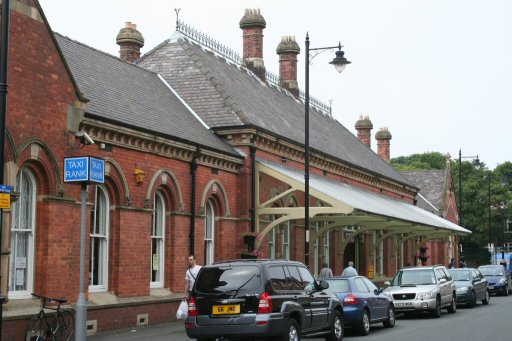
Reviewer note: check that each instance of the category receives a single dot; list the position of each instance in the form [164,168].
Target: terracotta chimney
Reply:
[288,49]
[383,138]
[364,130]
[252,25]
[131,41]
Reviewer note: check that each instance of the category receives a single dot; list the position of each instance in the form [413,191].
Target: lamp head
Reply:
[477,163]
[339,61]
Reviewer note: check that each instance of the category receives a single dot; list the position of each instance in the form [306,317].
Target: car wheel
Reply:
[472,299]
[364,324]
[336,333]
[452,309]
[487,298]
[437,310]
[390,322]
[292,332]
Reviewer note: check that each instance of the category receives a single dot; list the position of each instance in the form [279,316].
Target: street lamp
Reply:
[476,163]
[339,63]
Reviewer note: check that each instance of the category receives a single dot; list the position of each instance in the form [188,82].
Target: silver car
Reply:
[423,288]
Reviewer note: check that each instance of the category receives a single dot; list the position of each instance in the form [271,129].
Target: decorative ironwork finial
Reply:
[177,10]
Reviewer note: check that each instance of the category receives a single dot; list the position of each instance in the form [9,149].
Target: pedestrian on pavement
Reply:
[325,272]
[190,275]
[452,264]
[349,270]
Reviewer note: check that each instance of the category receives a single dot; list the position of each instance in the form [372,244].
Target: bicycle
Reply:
[58,326]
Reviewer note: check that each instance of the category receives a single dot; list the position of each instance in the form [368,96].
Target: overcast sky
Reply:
[437,73]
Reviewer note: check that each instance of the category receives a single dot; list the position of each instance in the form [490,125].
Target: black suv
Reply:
[268,299]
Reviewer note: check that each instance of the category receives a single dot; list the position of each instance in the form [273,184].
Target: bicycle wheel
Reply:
[65,326]
[35,329]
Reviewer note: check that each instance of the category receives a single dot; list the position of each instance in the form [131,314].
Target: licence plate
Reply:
[403,304]
[230,309]
[491,287]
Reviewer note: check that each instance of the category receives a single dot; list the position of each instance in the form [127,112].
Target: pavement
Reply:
[165,331]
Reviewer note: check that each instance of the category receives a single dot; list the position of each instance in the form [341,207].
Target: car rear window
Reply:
[223,279]
[460,275]
[491,270]
[338,285]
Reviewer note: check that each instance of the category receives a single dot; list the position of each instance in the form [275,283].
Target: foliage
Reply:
[430,160]
[478,195]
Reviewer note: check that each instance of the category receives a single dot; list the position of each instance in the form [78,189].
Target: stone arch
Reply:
[119,182]
[215,189]
[36,155]
[160,178]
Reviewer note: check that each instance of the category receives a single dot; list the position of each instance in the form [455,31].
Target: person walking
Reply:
[325,272]
[191,275]
[452,264]
[349,270]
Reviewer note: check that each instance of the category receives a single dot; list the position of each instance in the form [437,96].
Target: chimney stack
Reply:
[252,25]
[130,41]
[383,138]
[288,49]
[364,130]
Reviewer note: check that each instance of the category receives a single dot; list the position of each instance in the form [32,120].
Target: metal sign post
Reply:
[83,170]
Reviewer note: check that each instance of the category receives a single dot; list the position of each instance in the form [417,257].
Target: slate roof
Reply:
[431,184]
[128,95]
[226,95]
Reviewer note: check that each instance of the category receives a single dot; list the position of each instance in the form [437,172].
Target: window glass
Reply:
[440,274]
[294,278]
[369,284]
[223,279]
[22,236]
[361,287]
[277,277]
[306,276]
[338,285]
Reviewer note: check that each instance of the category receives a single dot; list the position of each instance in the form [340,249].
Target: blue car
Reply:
[363,303]
[498,278]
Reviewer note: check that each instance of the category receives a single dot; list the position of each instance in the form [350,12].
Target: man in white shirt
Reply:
[191,275]
[349,270]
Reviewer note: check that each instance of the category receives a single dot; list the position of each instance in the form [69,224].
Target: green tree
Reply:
[430,160]
[477,197]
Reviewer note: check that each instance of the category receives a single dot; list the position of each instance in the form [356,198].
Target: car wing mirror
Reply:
[323,285]
[442,280]
[387,284]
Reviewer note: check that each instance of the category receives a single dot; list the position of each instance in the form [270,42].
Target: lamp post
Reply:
[339,63]
[476,162]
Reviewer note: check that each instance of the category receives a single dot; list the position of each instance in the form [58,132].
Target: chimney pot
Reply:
[130,41]
[288,49]
[252,24]
[364,130]
[383,137]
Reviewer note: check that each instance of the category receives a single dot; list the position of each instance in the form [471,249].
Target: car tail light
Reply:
[350,299]
[265,304]
[192,311]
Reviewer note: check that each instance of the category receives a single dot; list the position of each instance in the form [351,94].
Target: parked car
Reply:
[498,278]
[471,286]
[363,303]
[270,299]
[423,288]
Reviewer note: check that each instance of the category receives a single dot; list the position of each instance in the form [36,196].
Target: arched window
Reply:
[98,259]
[21,274]
[158,242]
[209,240]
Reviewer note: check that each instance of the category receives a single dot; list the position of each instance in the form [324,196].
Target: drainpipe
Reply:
[253,200]
[4,49]
[193,170]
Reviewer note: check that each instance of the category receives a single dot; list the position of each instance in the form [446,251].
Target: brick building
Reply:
[200,146]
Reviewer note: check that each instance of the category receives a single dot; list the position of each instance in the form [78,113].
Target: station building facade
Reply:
[201,146]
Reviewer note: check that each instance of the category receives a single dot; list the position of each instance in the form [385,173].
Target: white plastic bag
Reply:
[182,312]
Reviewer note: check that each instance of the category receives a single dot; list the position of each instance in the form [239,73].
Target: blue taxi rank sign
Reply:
[84,169]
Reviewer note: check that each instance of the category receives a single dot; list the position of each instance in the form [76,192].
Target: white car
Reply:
[423,288]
